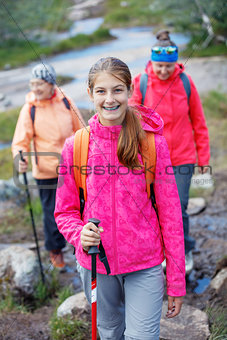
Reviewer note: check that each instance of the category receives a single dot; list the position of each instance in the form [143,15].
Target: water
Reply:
[86,26]
[126,38]
[4,145]
[202,285]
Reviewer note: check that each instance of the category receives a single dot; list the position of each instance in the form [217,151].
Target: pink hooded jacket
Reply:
[185,128]
[117,197]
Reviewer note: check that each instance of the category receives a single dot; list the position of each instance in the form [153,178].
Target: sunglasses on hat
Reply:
[162,50]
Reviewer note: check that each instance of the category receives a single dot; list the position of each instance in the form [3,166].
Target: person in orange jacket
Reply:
[166,89]
[48,117]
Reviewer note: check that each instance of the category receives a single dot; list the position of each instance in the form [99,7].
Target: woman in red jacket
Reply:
[168,90]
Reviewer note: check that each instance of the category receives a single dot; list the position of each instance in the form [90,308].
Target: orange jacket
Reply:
[185,127]
[53,124]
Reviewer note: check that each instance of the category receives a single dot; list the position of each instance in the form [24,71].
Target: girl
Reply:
[185,128]
[129,300]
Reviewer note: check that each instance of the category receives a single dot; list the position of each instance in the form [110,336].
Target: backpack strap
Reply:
[143,86]
[80,156]
[183,77]
[149,159]
[32,115]
[186,83]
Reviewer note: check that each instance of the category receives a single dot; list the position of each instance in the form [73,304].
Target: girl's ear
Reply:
[130,92]
[90,94]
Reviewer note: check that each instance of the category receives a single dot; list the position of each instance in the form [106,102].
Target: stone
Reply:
[75,304]
[190,324]
[219,285]
[196,205]
[19,270]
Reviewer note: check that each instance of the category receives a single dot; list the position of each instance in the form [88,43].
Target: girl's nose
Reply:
[109,97]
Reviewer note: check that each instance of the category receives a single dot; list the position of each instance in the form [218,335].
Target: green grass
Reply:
[194,47]
[8,302]
[215,108]
[18,53]
[6,164]
[218,323]
[136,13]
[68,327]
[19,219]
[8,120]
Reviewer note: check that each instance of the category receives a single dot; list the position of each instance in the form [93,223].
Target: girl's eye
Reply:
[100,91]
[118,90]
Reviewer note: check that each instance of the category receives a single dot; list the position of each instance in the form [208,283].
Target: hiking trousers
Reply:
[47,192]
[129,305]
[183,174]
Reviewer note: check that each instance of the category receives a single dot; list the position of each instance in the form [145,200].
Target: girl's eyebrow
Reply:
[100,87]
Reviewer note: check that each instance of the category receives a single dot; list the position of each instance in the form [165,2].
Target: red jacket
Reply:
[184,125]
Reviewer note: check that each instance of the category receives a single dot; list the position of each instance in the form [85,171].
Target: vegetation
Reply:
[218,323]
[184,16]
[68,327]
[18,52]
[32,17]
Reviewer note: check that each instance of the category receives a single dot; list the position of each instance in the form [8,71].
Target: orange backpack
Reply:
[80,157]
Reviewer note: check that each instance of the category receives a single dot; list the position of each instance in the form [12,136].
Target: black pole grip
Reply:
[94,249]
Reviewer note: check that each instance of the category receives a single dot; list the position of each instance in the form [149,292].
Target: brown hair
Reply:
[131,133]
[163,39]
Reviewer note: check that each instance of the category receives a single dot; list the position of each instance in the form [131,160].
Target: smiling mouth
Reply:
[111,108]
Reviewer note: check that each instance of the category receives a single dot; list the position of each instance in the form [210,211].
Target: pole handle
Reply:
[94,249]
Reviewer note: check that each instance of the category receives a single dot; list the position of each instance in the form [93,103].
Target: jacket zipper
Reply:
[114,206]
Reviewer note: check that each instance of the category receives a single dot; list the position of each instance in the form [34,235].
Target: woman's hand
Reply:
[90,236]
[22,166]
[203,169]
[174,306]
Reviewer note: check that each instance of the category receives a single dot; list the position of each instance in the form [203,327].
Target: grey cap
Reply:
[45,72]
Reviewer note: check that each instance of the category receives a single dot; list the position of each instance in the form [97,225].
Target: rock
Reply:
[219,285]
[18,270]
[75,304]
[196,205]
[190,324]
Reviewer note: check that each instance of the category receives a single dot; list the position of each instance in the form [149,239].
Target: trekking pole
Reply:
[32,219]
[93,251]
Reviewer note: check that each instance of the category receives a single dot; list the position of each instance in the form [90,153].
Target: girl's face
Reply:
[41,89]
[163,70]
[110,96]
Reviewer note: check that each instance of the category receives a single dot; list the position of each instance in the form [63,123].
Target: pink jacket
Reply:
[118,198]
[185,128]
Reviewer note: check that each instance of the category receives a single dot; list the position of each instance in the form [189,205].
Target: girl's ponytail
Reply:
[129,140]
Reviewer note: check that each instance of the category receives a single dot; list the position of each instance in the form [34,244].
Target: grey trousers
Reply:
[129,305]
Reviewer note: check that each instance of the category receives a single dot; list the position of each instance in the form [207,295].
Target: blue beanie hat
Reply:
[45,72]
[167,54]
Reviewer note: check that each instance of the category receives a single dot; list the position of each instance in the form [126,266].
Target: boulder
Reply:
[19,270]
[196,205]
[190,324]
[219,285]
[75,304]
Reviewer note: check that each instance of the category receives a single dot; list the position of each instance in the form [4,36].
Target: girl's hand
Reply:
[174,306]
[90,236]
